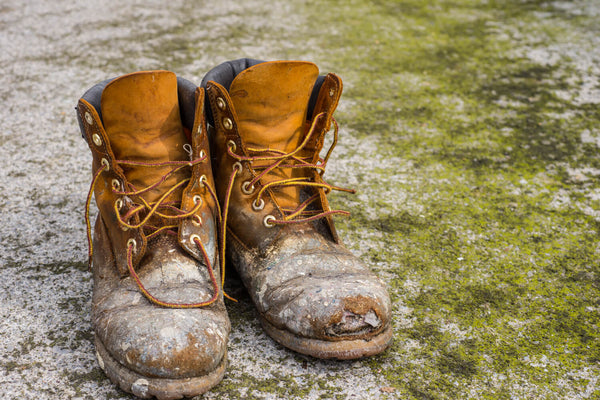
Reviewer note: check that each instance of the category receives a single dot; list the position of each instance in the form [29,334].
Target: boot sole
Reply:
[340,350]
[161,388]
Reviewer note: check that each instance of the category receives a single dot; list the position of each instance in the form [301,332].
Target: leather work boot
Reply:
[267,125]
[160,325]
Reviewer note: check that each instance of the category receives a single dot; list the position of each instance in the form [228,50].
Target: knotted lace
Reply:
[169,211]
[274,159]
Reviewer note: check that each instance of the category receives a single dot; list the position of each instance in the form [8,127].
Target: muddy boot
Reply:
[267,125]
[160,324]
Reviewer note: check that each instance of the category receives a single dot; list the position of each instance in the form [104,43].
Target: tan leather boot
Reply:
[161,327]
[267,129]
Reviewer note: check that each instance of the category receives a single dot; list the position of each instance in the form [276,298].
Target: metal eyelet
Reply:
[197,200]
[231,144]
[193,237]
[116,184]
[119,204]
[266,221]
[258,205]
[221,103]
[104,162]
[196,220]
[202,180]
[132,242]
[97,139]
[88,118]
[202,154]
[227,123]
[245,188]
[238,166]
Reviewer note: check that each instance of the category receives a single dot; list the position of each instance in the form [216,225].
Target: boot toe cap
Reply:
[165,343]
[348,307]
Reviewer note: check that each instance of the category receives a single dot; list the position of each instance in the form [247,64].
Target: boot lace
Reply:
[275,159]
[169,211]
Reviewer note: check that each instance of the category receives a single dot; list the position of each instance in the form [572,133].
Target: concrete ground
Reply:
[470,128]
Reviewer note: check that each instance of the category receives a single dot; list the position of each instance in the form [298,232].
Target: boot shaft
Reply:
[271,102]
[131,123]
[261,111]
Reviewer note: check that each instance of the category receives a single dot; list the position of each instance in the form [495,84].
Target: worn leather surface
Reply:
[300,277]
[248,222]
[143,123]
[200,182]
[225,73]
[271,114]
[148,131]
[103,158]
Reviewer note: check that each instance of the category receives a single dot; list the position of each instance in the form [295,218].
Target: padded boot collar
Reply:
[225,73]
[185,93]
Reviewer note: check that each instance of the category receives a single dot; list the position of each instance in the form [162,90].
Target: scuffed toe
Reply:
[353,324]
[349,307]
[186,343]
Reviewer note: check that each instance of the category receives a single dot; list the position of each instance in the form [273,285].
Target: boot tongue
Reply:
[141,118]
[271,101]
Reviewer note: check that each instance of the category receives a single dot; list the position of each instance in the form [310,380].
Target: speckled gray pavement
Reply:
[52,51]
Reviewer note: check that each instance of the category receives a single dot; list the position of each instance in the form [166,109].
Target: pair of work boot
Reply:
[185,177]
